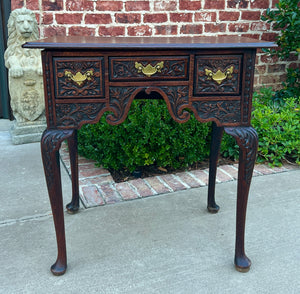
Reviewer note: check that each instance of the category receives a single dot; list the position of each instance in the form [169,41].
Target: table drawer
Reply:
[144,68]
[77,77]
[215,75]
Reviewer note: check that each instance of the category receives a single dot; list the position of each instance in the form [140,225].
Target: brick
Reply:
[111,31]
[97,18]
[259,26]
[89,170]
[98,181]
[69,18]
[230,170]
[142,189]
[215,4]
[188,179]
[143,30]
[272,79]
[292,57]
[32,4]
[81,31]
[47,18]
[126,191]
[137,5]
[164,5]
[79,5]
[166,30]
[155,18]
[110,194]
[92,196]
[253,36]
[54,31]
[263,169]
[215,28]
[52,6]
[157,185]
[128,18]
[260,69]
[191,29]
[223,177]
[17,4]
[251,15]
[238,27]
[276,68]
[262,4]
[173,182]
[274,2]
[109,5]
[83,160]
[269,36]
[228,16]
[206,16]
[189,5]
[181,17]
[267,59]
[201,175]
[237,3]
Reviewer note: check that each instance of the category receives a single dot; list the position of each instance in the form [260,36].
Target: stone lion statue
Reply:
[24,67]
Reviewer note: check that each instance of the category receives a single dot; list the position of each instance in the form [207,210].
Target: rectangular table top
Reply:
[123,43]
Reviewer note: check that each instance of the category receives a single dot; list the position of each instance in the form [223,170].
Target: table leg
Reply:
[50,144]
[246,138]
[216,137]
[73,206]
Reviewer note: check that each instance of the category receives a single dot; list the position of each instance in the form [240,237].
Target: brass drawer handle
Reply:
[79,78]
[219,76]
[149,70]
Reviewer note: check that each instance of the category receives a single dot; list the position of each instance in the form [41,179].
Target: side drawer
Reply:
[215,75]
[145,68]
[77,77]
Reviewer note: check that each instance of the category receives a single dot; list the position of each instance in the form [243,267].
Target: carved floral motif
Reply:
[68,86]
[247,139]
[124,69]
[74,114]
[206,85]
[223,111]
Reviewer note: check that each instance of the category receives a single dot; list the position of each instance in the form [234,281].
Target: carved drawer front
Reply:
[148,68]
[79,77]
[215,75]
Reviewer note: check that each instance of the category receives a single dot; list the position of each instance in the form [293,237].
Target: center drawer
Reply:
[145,68]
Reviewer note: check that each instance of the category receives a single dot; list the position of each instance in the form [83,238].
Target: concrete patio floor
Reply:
[162,244]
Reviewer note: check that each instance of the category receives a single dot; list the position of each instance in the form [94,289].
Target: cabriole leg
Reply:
[246,138]
[50,144]
[217,133]
[73,206]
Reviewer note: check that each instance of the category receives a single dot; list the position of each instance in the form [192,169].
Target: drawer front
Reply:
[146,68]
[215,75]
[78,77]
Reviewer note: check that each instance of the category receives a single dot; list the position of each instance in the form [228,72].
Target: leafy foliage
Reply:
[278,128]
[285,17]
[148,136]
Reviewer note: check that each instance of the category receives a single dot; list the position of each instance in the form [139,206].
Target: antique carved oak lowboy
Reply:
[209,77]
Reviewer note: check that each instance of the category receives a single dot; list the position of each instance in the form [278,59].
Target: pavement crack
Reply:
[24,219]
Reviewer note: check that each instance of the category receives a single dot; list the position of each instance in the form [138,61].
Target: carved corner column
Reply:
[50,144]
[217,133]
[247,140]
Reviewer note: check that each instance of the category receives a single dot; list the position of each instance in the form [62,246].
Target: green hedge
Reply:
[278,128]
[149,136]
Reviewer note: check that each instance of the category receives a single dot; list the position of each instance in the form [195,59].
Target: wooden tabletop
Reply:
[212,42]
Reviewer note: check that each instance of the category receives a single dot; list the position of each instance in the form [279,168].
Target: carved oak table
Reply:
[211,77]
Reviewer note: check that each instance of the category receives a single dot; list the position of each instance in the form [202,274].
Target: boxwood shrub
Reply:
[149,136]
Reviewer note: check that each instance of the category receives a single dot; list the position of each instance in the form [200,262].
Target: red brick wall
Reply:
[163,18]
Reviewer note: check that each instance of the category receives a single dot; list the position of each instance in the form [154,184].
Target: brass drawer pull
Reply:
[219,76]
[149,70]
[79,78]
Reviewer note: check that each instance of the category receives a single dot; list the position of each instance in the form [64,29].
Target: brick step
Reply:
[97,187]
